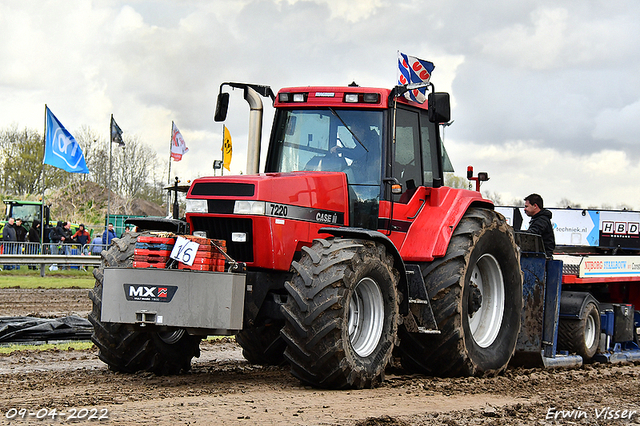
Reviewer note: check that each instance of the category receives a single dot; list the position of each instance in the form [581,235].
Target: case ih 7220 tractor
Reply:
[346,251]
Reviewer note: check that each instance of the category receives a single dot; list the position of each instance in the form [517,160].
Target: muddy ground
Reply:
[223,388]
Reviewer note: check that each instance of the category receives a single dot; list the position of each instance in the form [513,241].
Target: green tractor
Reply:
[28,211]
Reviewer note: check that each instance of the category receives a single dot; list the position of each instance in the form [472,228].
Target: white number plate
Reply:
[184,251]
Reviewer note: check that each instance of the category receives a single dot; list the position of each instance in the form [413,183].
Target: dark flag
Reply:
[116,132]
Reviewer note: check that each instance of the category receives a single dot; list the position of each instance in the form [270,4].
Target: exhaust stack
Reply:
[255,130]
[252,93]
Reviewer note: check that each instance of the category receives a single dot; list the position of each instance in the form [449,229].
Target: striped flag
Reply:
[412,70]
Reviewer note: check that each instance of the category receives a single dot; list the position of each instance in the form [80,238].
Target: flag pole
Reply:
[42,222]
[170,144]
[222,155]
[169,174]
[106,225]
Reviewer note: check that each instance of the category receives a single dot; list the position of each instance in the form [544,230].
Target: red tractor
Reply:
[346,251]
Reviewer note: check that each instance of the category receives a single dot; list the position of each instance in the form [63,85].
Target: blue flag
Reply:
[414,70]
[60,148]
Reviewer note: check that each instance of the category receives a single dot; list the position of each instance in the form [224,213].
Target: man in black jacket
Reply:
[21,231]
[540,222]
[9,241]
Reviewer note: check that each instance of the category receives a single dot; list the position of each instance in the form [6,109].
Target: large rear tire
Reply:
[124,347]
[475,292]
[341,316]
[581,336]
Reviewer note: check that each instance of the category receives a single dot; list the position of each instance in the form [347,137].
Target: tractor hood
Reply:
[323,190]
[265,219]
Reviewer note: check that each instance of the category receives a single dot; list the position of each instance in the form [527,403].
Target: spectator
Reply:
[108,235]
[96,245]
[33,238]
[34,232]
[82,237]
[126,231]
[9,231]
[66,233]
[56,234]
[21,232]
[9,240]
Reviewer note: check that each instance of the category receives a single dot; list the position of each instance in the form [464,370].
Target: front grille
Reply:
[221,228]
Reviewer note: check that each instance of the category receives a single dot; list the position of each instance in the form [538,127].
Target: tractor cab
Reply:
[386,147]
[28,211]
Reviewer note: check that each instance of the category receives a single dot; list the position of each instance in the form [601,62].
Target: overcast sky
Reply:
[545,94]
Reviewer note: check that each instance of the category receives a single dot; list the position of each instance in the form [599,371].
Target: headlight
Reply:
[239,237]
[249,207]
[196,206]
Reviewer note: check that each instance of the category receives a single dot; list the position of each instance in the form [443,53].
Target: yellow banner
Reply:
[227,148]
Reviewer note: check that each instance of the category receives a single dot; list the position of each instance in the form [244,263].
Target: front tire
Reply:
[123,347]
[341,316]
[475,292]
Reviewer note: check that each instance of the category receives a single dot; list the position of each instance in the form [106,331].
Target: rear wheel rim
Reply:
[486,322]
[366,317]
[590,331]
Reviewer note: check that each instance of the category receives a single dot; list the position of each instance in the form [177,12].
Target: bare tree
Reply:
[453,181]
[95,155]
[565,203]
[133,167]
[493,196]
[21,159]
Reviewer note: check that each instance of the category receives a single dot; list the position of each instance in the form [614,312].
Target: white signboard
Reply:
[184,251]
[610,266]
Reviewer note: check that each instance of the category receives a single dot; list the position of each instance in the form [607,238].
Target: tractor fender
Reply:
[572,303]
[176,226]
[369,234]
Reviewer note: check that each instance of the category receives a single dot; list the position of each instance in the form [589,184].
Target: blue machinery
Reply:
[542,293]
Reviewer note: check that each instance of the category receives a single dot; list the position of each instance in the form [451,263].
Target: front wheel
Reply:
[341,316]
[126,348]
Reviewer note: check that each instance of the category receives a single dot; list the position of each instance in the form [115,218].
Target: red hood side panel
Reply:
[298,205]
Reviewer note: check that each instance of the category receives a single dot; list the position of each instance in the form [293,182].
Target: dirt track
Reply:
[224,389]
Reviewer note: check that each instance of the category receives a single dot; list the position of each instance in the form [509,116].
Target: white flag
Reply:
[178,146]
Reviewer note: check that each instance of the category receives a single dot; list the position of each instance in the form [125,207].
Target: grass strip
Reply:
[6,349]
[26,278]
[66,346]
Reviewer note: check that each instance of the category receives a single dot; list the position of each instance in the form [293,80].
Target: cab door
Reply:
[413,161]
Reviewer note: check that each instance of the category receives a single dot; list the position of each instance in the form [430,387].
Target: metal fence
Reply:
[50,248]
[21,253]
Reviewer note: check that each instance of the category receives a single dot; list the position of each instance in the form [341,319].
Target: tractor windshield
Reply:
[337,140]
[26,212]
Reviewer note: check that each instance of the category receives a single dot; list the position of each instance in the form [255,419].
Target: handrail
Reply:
[20,253]
[60,259]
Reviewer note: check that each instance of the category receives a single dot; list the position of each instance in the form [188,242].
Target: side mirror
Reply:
[439,107]
[222,106]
